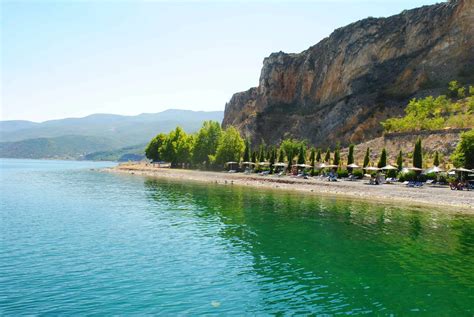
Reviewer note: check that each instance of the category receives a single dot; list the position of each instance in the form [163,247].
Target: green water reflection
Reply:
[325,255]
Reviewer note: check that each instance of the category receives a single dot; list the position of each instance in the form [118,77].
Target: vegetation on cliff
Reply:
[430,113]
[464,153]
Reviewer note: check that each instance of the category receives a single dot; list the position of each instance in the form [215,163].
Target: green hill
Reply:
[113,136]
[63,147]
[129,153]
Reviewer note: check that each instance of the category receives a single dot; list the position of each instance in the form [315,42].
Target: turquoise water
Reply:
[76,241]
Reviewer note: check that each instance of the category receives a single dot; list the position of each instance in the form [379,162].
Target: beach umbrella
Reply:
[322,165]
[303,165]
[414,169]
[264,163]
[372,168]
[434,169]
[248,163]
[389,167]
[331,166]
[280,164]
[404,170]
[353,166]
[461,170]
[229,164]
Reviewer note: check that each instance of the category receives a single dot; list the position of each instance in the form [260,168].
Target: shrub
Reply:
[453,88]
[408,176]
[358,173]
[342,173]
[442,178]
[392,173]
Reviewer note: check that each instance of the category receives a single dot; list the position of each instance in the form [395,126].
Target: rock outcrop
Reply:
[341,88]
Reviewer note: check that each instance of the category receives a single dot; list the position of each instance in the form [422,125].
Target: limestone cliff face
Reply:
[342,87]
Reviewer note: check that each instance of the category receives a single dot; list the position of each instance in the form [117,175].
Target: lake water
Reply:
[77,241]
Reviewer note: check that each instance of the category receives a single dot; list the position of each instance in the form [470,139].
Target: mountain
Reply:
[129,153]
[341,88]
[52,138]
[14,125]
[127,130]
[63,147]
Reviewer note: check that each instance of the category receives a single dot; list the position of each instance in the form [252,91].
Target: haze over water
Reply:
[77,241]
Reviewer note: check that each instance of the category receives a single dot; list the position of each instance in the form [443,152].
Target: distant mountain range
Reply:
[111,135]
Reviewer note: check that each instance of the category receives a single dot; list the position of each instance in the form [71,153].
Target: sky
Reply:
[74,58]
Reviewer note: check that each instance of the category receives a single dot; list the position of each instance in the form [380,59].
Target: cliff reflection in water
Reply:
[321,254]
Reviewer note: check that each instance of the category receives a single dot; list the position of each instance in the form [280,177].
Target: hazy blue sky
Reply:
[73,58]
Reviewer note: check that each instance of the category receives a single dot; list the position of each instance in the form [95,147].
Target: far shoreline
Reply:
[390,194]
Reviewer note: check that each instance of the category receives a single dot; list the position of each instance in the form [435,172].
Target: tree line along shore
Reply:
[212,147]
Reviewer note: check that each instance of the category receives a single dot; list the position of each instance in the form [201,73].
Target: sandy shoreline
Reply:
[462,201]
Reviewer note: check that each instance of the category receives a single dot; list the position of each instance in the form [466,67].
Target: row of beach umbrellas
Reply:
[434,169]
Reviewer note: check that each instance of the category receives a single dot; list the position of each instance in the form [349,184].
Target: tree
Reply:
[261,156]
[206,142]
[152,150]
[400,161]
[350,156]
[367,158]
[383,159]
[417,154]
[337,155]
[471,90]
[453,88]
[177,147]
[302,155]
[231,146]
[463,155]
[436,159]
[291,148]
[328,155]
[318,155]
[268,154]
[247,150]
[254,157]
[312,159]
[281,156]
[272,158]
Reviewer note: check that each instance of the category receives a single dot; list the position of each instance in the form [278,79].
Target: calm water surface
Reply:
[73,240]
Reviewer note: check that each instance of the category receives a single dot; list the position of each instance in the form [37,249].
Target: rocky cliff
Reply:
[342,87]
